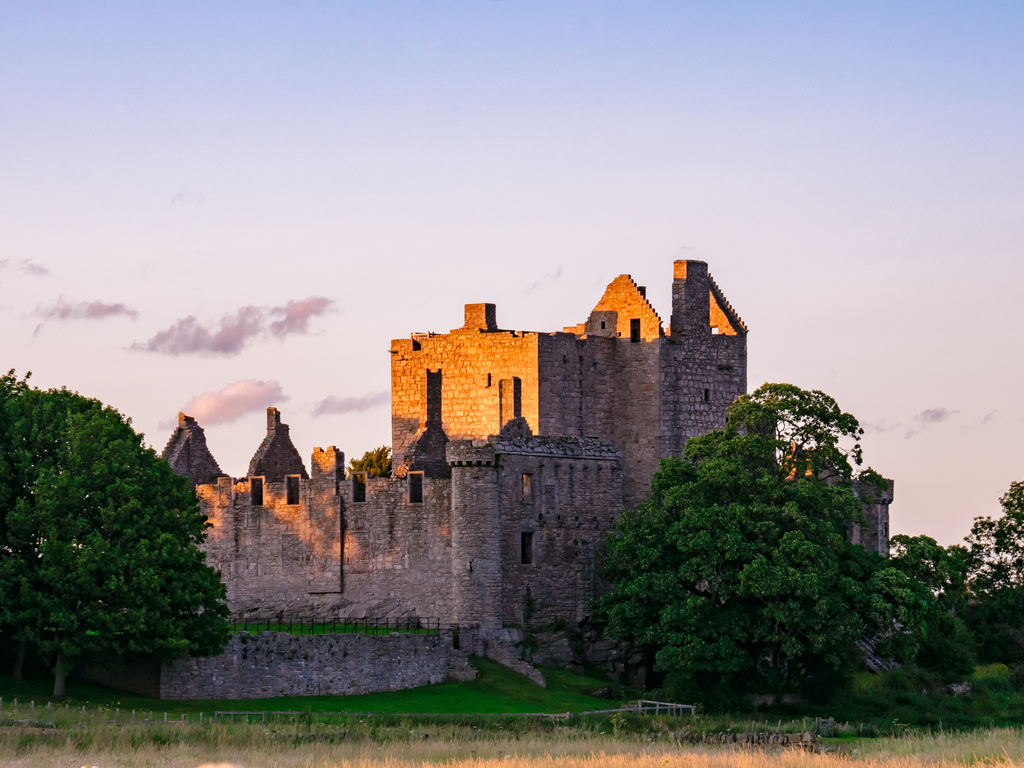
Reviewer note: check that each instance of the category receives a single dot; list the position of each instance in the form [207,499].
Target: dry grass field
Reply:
[254,747]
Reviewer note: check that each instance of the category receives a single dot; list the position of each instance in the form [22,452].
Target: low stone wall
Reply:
[135,675]
[279,664]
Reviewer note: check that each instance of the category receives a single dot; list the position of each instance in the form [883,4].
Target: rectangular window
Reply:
[634,330]
[707,395]
[415,487]
[292,488]
[358,486]
[488,379]
[526,547]
[256,491]
[527,489]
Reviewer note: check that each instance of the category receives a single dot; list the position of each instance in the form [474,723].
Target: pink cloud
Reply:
[85,310]
[232,332]
[297,315]
[26,267]
[188,336]
[351,404]
[234,401]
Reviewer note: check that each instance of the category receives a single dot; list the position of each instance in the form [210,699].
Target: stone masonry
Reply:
[278,664]
[514,452]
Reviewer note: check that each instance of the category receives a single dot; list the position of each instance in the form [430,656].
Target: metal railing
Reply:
[871,660]
[338,625]
[664,708]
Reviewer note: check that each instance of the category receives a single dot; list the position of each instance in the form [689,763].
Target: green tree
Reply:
[737,570]
[995,614]
[101,551]
[377,462]
[946,645]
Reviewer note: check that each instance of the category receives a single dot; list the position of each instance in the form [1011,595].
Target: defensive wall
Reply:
[278,664]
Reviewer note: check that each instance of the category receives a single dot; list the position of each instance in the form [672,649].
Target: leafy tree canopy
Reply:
[100,551]
[995,571]
[738,571]
[946,644]
[377,462]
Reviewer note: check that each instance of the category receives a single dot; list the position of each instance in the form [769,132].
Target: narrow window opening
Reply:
[488,379]
[470,566]
[456,640]
[292,488]
[358,486]
[602,325]
[415,487]
[526,548]
[707,395]
[256,491]
[527,489]
[634,330]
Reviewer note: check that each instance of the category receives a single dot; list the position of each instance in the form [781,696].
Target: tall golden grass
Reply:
[999,746]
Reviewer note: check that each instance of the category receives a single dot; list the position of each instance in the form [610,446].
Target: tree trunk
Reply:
[19,661]
[59,674]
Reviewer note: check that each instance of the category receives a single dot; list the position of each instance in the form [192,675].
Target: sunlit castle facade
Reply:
[514,452]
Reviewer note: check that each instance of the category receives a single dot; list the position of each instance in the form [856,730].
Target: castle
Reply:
[514,452]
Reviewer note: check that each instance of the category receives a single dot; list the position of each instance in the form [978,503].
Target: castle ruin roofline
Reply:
[188,454]
[276,457]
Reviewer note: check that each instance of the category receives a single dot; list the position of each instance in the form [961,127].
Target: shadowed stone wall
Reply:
[277,664]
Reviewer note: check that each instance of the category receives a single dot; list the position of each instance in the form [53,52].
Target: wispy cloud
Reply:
[63,310]
[879,426]
[547,277]
[189,336]
[85,310]
[185,198]
[927,417]
[296,315]
[351,404]
[234,401]
[231,333]
[25,267]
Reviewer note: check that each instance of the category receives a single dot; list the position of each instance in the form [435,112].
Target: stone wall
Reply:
[398,554]
[576,488]
[132,674]
[277,557]
[472,361]
[277,664]
[873,534]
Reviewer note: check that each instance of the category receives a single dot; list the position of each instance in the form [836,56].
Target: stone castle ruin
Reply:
[514,452]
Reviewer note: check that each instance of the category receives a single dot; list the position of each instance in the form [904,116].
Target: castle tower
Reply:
[476,535]
[690,300]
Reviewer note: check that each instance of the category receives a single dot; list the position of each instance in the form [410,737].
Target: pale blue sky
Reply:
[852,173]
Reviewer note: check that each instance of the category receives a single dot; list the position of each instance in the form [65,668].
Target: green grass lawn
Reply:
[497,689]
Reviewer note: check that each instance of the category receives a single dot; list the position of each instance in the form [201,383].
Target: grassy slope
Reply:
[497,689]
